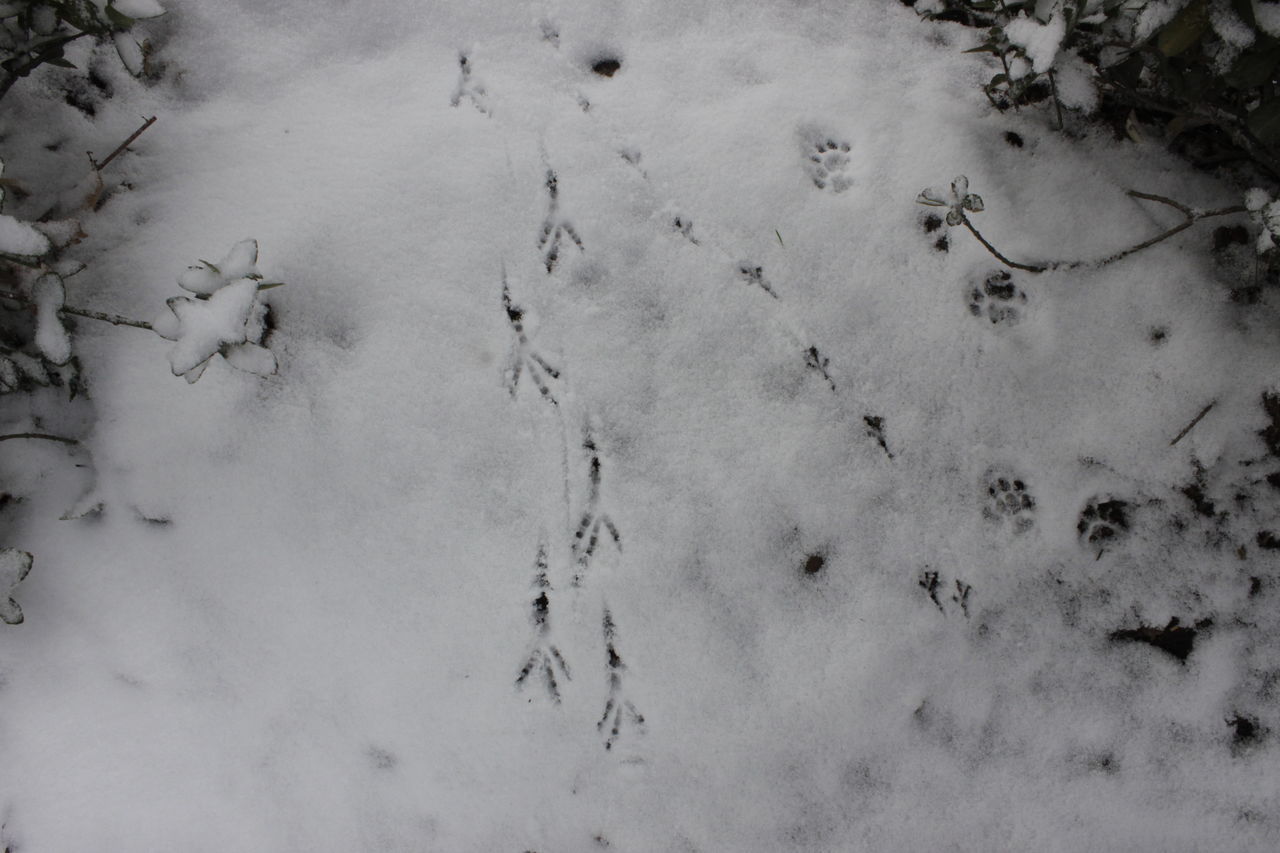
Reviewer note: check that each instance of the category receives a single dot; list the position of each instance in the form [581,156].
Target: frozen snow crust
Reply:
[640,472]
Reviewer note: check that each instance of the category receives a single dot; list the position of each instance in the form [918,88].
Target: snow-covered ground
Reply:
[631,479]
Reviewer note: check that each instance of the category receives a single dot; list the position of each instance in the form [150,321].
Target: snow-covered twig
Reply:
[123,145]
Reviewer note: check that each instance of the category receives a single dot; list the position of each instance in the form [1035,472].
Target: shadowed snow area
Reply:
[638,475]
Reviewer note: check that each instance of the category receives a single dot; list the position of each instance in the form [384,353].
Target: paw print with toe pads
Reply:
[827,163]
[1008,500]
[998,299]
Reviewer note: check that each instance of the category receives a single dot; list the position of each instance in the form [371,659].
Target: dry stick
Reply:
[1053,87]
[1192,217]
[39,435]
[1194,421]
[113,319]
[123,145]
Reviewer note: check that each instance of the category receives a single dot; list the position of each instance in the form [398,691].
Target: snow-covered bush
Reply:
[37,32]
[1205,71]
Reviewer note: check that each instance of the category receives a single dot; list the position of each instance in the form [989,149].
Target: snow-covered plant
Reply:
[1265,212]
[37,32]
[957,201]
[225,317]
[1203,71]
[14,567]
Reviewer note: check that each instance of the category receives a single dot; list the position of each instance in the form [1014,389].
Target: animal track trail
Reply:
[523,357]
[827,164]
[998,299]
[545,659]
[619,711]
[586,538]
[555,228]
[470,88]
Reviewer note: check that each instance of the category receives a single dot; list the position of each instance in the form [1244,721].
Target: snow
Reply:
[299,620]
[20,239]
[52,339]
[1041,41]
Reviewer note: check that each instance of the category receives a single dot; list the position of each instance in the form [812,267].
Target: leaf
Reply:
[1184,31]
[954,217]
[1264,122]
[932,197]
[973,202]
[1253,68]
[118,19]
[61,63]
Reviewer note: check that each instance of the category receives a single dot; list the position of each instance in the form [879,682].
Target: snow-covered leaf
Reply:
[52,339]
[251,358]
[932,197]
[206,278]
[130,52]
[139,9]
[20,240]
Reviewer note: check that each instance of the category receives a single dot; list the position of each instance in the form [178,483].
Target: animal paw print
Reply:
[587,537]
[931,583]
[469,87]
[1008,498]
[754,275]
[554,228]
[523,358]
[998,299]
[1102,521]
[545,659]
[828,164]
[618,711]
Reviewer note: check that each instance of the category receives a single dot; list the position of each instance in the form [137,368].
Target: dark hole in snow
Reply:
[1244,730]
[1227,235]
[606,67]
[1175,639]
[931,223]
[942,244]
[1255,586]
[814,563]
[1013,139]
[1273,480]
[1268,541]
[1195,493]
[1250,295]
[1158,334]
[1104,520]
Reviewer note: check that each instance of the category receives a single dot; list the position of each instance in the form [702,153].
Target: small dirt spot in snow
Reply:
[606,66]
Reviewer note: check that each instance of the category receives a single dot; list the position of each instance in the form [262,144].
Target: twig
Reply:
[113,319]
[123,145]
[993,250]
[39,435]
[1194,421]
[1191,217]
[1053,87]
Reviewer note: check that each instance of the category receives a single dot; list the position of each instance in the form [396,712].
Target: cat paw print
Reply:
[1007,500]
[523,357]
[619,712]
[469,87]
[827,164]
[1103,521]
[998,299]
[545,660]
[555,228]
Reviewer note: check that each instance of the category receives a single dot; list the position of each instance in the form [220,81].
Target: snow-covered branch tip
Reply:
[960,202]
[224,317]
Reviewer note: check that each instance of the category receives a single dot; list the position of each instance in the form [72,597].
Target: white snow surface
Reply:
[300,619]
